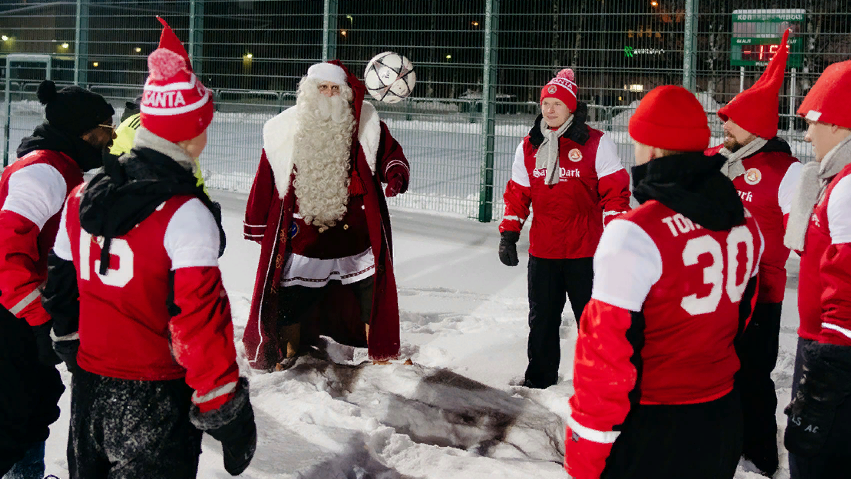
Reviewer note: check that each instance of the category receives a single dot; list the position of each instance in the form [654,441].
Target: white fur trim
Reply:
[327,72]
[279,140]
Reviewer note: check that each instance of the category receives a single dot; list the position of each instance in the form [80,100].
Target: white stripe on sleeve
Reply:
[626,265]
[36,192]
[519,174]
[787,187]
[839,212]
[192,237]
[601,437]
[62,245]
[607,161]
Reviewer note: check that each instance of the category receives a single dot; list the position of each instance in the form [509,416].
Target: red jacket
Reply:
[269,215]
[160,312]
[569,217]
[32,192]
[766,189]
[660,326]
[824,292]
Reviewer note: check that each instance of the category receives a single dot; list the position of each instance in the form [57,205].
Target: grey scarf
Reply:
[815,176]
[547,155]
[733,167]
[146,139]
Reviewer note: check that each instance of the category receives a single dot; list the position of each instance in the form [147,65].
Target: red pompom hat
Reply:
[671,118]
[563,87]
[175,105]
[829,98]
[756,109]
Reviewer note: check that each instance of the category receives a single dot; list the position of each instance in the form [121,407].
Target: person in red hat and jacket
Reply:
[318,210]
[818,433]
[674,285]
[765,174]
[140,313]
[571,176]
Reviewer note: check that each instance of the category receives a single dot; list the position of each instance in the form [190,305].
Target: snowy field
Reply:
[455,413]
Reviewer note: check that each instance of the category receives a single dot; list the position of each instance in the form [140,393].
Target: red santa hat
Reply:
[326,71]
[671,118]
[175,105]
[563,87]
[828,99]
[756,109]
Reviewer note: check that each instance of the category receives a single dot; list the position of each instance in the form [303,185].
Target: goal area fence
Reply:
[480,66]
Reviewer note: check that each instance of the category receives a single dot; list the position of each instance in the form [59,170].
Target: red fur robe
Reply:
[376,156]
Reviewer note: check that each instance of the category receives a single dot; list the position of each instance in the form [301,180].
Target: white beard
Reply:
[321,154]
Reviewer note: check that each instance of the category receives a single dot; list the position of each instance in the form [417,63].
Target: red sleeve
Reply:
[202,336]
[517,200]
[614,195]
[835,272]
[259,201]
[604,374]
[391,159]
[19,280]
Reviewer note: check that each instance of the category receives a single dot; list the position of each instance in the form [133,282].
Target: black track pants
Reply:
[550,283]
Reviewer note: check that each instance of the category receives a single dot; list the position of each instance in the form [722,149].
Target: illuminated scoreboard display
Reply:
[757,35]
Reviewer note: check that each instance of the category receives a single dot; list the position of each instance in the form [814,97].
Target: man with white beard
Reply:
[319,213]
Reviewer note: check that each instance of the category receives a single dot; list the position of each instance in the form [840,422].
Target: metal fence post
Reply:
[690,45]
[81,44]
[488,110]
[196,34]
[329,31]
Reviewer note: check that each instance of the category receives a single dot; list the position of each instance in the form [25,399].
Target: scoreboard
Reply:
[757,35]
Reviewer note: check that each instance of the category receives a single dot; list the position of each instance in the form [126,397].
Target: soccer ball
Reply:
[389,77]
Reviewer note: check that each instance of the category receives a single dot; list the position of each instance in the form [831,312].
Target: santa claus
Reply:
[318,211]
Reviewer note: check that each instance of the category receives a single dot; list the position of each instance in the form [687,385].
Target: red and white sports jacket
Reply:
[660,325]
[569,217]
[824,292]
[32,192]
[160,312]
[767,189]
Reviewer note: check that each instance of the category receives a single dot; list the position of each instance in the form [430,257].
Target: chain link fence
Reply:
[480,65]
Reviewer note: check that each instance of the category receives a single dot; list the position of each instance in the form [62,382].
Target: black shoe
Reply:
[766,463]
[532,385]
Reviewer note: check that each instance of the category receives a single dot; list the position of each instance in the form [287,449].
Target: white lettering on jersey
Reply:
[746,196]
[678,224]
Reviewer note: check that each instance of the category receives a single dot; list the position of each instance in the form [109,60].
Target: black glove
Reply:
[824,385]
[232,425]
[46,355]
[67,352]
[508,248]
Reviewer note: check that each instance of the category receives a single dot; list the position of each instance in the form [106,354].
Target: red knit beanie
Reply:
[756,109]
[671,118]
[175,105]
[563,87]
[829,98]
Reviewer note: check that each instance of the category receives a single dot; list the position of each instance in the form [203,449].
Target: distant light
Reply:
[449,57]
[351,18]
[475,24]
[654,3]
[4,38]
[65,45]
[249,56]
[343,33]
[620,98]
[138,49]
[95,64]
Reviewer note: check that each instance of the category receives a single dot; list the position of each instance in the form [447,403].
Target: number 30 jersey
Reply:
[669,298]
[159,312]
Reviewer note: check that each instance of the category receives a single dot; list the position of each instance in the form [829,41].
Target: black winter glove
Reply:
[233,425]
[825,383]
[67,352]
[46,355]
[508,248]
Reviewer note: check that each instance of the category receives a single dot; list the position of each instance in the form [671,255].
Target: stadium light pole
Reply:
[196,34]
[689,45]
[329,30]
[81,43]
[488,110]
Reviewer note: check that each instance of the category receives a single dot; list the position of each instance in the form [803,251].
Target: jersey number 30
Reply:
[114,277]
[716,274]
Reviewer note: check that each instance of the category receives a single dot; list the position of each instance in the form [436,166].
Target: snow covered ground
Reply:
[454,414]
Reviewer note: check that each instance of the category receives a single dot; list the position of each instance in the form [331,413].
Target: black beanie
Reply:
[72,109]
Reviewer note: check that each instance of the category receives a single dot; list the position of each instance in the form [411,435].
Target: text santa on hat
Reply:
[175,105]
[757,108]
[563,87]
